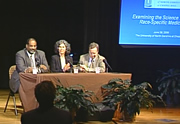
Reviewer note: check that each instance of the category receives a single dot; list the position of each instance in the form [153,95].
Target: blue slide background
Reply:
[130,27]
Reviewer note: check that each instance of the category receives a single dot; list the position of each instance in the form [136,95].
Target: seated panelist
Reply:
[61,61]
[89,61]
[28,60]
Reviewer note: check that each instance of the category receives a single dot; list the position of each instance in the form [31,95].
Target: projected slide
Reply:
[150,22]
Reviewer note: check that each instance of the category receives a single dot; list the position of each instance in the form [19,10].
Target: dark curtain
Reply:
[80,22]
[101,24]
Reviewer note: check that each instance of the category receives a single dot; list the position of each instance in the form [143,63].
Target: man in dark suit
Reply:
[89,61]
[46,113]
[28,60]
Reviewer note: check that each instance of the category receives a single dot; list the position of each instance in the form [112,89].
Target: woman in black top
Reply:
[61,61]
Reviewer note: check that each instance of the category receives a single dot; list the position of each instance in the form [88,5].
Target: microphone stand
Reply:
[107,69]
[107,65]
[71,65]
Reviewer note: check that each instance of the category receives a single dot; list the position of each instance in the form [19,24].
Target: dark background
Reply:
[79,22]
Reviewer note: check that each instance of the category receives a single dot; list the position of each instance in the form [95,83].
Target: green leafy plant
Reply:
[169,83]
[73,98]
[131,97]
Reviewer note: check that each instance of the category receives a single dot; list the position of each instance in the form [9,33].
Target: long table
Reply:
[91,81]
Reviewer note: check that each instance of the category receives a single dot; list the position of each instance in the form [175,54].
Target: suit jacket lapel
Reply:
[37,59]
[59,61]
[87,57]
[27,60]
[96,61]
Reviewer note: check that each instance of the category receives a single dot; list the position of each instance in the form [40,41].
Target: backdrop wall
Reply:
[79,22]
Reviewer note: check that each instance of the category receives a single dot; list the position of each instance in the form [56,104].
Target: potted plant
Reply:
[73,98]
[129,98]
[169,86]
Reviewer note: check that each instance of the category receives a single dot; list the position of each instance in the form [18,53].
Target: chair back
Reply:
[11,70]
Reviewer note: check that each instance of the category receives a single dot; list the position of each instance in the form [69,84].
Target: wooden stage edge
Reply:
[159,115]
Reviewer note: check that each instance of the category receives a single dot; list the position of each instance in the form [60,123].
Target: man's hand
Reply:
[84,68]
[43,67]
[29,70]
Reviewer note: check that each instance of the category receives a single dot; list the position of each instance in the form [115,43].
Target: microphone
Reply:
[105,61]
[37,62]
[68,60]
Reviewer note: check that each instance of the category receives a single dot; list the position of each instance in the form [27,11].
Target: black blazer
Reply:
[55,65]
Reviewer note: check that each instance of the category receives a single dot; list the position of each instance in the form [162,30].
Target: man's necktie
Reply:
[92,64]
[32,63]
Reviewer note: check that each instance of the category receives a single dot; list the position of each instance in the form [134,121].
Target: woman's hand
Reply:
[66,67]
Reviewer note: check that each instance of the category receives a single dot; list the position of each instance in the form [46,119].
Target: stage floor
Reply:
[159,115]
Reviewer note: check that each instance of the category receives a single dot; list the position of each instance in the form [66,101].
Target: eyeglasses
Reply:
[61,47]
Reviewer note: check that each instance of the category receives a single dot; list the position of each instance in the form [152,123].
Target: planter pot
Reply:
[177,99]
[73,114]
[169,100]
[117,114]
[127,117]
[81,115]
[173,100]
[102,113]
